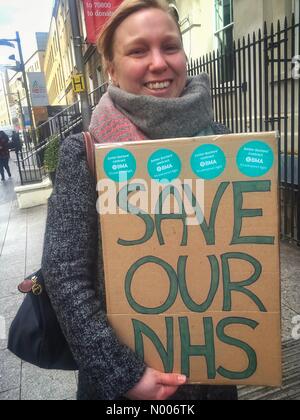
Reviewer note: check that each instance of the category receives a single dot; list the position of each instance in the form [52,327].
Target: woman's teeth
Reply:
[158,85]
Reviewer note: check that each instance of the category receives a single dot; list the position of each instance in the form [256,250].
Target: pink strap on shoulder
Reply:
[90,151]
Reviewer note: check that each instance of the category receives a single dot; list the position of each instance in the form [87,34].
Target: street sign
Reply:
[78,83]
[7,43]
[18,68]
[38,89]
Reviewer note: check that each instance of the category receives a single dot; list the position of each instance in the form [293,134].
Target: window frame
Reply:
[221,32]
[219,4]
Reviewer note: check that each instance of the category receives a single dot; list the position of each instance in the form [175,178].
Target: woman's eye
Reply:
[137,52]
[172,48]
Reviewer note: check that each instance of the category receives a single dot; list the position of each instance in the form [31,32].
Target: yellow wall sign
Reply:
[78,83]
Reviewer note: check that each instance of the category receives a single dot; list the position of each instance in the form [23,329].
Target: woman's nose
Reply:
[158,62]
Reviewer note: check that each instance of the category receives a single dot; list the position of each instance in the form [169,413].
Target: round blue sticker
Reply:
[164,166]
[208,161]
[120,165]
[255,159]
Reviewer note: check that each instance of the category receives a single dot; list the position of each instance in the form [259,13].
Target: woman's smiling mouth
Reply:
[158,85]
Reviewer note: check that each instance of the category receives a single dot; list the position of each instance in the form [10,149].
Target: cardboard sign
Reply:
[190,237]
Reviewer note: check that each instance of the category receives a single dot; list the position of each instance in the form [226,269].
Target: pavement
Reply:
[21,243]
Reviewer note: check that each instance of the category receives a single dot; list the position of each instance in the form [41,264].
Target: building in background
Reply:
[250,16]
[60,60]
[36,62]
[5,115]
[94,72]
[211,24]
[5,118]
[206,25]
[17,96]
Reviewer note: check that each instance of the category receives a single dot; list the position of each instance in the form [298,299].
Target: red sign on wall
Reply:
[96,14]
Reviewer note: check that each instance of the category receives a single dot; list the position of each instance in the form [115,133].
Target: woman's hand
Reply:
[156,385]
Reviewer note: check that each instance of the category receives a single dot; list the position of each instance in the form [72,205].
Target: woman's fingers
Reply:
[169,382]
[156,385]
[171,379]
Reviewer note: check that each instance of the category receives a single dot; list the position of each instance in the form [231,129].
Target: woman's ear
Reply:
[112,73]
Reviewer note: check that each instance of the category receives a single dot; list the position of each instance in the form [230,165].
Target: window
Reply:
[224,36]
[224,23]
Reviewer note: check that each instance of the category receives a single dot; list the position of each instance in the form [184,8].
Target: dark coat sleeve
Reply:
[70,254]
[219,128]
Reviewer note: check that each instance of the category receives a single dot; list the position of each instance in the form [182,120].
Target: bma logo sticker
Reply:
[208,161]
[164,166]
[255,159]
[120,165]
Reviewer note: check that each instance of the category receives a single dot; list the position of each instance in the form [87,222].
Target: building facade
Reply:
[210,24]
[94,73]
[206,25]
[17,94]
[5,116]
[60,60]
[249,16]
[4,111]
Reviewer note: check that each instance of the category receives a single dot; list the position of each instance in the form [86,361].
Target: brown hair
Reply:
[105,41]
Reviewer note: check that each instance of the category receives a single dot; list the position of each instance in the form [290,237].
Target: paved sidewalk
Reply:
[21,241]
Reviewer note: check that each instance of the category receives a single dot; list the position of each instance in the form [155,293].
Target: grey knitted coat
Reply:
[71,264]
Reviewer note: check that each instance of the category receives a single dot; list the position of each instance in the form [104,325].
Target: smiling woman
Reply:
[148,56]
[150,97]
[143,51]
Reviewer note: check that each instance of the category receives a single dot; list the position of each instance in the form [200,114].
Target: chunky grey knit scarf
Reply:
[121,116]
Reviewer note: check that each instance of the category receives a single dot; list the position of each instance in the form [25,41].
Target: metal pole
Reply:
[25,85]
[19,167]
[22,118]
[77,42]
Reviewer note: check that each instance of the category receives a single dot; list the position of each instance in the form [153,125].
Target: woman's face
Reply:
[148,55]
